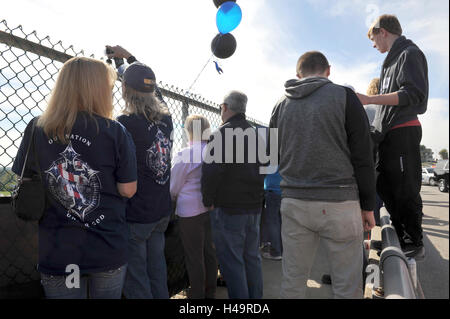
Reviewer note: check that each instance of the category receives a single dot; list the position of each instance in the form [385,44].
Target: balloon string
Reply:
[189,90]
[214,51]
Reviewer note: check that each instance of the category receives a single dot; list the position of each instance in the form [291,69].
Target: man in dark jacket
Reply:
[328,178]
[397,130]
[233,186]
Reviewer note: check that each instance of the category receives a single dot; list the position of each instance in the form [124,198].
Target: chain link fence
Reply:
[29,66]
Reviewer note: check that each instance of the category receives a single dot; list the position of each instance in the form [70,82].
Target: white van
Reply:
[428,176]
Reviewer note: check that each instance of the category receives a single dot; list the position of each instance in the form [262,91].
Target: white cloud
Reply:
[435,125]
[358,75]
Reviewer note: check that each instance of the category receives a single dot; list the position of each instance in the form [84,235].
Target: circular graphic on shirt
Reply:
[74,184]
[158,157]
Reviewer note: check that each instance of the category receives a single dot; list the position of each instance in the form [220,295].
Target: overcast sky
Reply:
[174,38]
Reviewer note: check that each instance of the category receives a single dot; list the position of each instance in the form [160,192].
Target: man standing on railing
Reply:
[328,178]
[397,130]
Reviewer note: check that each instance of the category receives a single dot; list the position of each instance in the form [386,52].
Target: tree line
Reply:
[426,154]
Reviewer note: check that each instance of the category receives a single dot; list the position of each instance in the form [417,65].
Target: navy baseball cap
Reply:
[140,77]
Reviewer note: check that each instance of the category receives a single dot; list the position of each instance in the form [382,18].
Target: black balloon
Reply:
[218,3]
[223,45]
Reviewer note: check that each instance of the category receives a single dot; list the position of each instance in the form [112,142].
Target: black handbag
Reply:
[28,199]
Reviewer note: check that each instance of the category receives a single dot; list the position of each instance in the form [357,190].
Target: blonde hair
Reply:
[192,123]
[373,88]
[83,84]
[388,22]
[146,104]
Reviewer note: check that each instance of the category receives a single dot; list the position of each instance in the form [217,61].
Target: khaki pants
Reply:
[339,226]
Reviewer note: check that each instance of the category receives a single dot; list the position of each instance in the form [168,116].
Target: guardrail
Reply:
[399,275]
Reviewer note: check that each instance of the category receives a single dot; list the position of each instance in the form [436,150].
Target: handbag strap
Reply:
[36,161]
[28,148]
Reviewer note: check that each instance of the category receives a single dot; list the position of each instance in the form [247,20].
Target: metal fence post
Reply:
[184,115]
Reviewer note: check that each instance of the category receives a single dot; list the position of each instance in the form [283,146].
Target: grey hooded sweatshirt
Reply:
[325,150]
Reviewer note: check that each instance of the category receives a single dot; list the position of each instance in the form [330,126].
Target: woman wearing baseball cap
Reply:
[148,120]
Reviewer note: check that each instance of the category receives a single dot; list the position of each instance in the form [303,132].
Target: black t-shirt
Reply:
[153,154]
[85,223]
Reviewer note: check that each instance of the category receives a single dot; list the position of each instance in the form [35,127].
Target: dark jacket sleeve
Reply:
[360,144]
[131,59]
[126,165]
[212,171]
[273,124]
[412,78]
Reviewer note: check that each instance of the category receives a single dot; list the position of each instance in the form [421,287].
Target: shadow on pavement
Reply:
[433,271]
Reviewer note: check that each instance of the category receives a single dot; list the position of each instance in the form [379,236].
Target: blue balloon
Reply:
[228,17]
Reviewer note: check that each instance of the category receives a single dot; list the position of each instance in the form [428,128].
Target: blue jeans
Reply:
[102,285]
[147,271]
[236,238]
[271,223]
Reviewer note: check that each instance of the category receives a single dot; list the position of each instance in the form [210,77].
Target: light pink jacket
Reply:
[186,174]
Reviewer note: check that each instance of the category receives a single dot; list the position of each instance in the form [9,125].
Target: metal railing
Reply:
[399,272]
[28,68]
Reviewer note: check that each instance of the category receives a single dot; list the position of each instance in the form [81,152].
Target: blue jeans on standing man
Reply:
[147,270]
[271,223]
[236,237]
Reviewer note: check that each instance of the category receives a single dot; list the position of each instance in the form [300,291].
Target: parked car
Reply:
[441,175]
[428,176]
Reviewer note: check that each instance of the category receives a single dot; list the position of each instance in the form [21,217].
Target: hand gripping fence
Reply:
[28,68]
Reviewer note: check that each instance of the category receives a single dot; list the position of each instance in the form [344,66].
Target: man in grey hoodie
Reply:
[328,178]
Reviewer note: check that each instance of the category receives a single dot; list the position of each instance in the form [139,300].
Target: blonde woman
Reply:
[373,89]
[88,165]
[148,212]
[194,221]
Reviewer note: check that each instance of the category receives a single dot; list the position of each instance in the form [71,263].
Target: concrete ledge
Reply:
[375,234]
[373,258]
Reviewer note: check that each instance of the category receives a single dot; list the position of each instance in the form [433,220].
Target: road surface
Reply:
[433,272]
